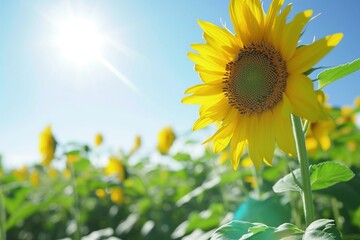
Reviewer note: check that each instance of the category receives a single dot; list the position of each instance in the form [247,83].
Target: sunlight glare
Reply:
[79,40]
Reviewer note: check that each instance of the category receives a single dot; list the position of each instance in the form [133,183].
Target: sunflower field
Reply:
[280,162]
[185,196]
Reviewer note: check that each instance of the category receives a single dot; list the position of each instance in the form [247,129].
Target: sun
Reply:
[79,40]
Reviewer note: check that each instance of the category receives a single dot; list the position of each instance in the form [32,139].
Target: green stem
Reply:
[2,217]
[337,215]
[257,181]
[76,210]
[304,168]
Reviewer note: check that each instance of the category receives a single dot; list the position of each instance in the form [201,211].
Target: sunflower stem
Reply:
[2,216]
[76,206]
[304,168]
[257,182]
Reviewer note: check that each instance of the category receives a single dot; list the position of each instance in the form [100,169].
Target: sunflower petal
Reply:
[292,33]
[283,128]
[218,107]
[223,136]
[254,137]
[254,17]
[221,35]
[271,17]
[238,21]
[206,62]
[202,122]
[204,90]
[193,99]
[238,142]
[208,50]
[211,78]
[284,135]
[279,27]
[267,133]
[307,56]
[300,91]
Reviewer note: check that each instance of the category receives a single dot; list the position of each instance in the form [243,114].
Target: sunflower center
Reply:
[255,81]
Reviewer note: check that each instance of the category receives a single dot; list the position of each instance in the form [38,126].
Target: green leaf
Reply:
[322,175]
[262,232]
[356,218]
[180,156]
[332,74]
[322,229]
[82,164]
[25,211]
[233,230]
[13,203]
[205,220]
[287,230]
[256,231]
[288,183]
[326,174]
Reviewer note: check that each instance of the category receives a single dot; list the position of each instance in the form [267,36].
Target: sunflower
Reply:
[166,138]
[117,195]
[115,167]
[98,140]
[137,145]
[47,146]
[255,78]
[34,178]
[318,133]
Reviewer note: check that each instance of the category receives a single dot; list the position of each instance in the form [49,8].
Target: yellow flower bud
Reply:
[47,146]
[137,145]
[34,178]
[98,139]
[166,138]
[115,167]
[100,193]
[117,195]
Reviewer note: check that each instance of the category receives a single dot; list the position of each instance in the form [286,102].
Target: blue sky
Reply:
[38,86]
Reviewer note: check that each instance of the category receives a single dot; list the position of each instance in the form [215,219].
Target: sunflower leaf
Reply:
[235,230]
[322,175]
[232,230]
[256,231]
[332,74]
[287,230]
[322,229]
[288,182]
[326,174]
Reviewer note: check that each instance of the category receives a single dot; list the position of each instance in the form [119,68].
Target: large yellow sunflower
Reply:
[254,79]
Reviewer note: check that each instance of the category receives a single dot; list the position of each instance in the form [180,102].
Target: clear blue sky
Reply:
[38,87]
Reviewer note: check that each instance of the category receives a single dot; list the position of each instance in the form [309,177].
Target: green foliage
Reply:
[322,229]
[326,174]
[256,231]
[182,196]
[290,182]
[322,176]
[332,74]
[232,230]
